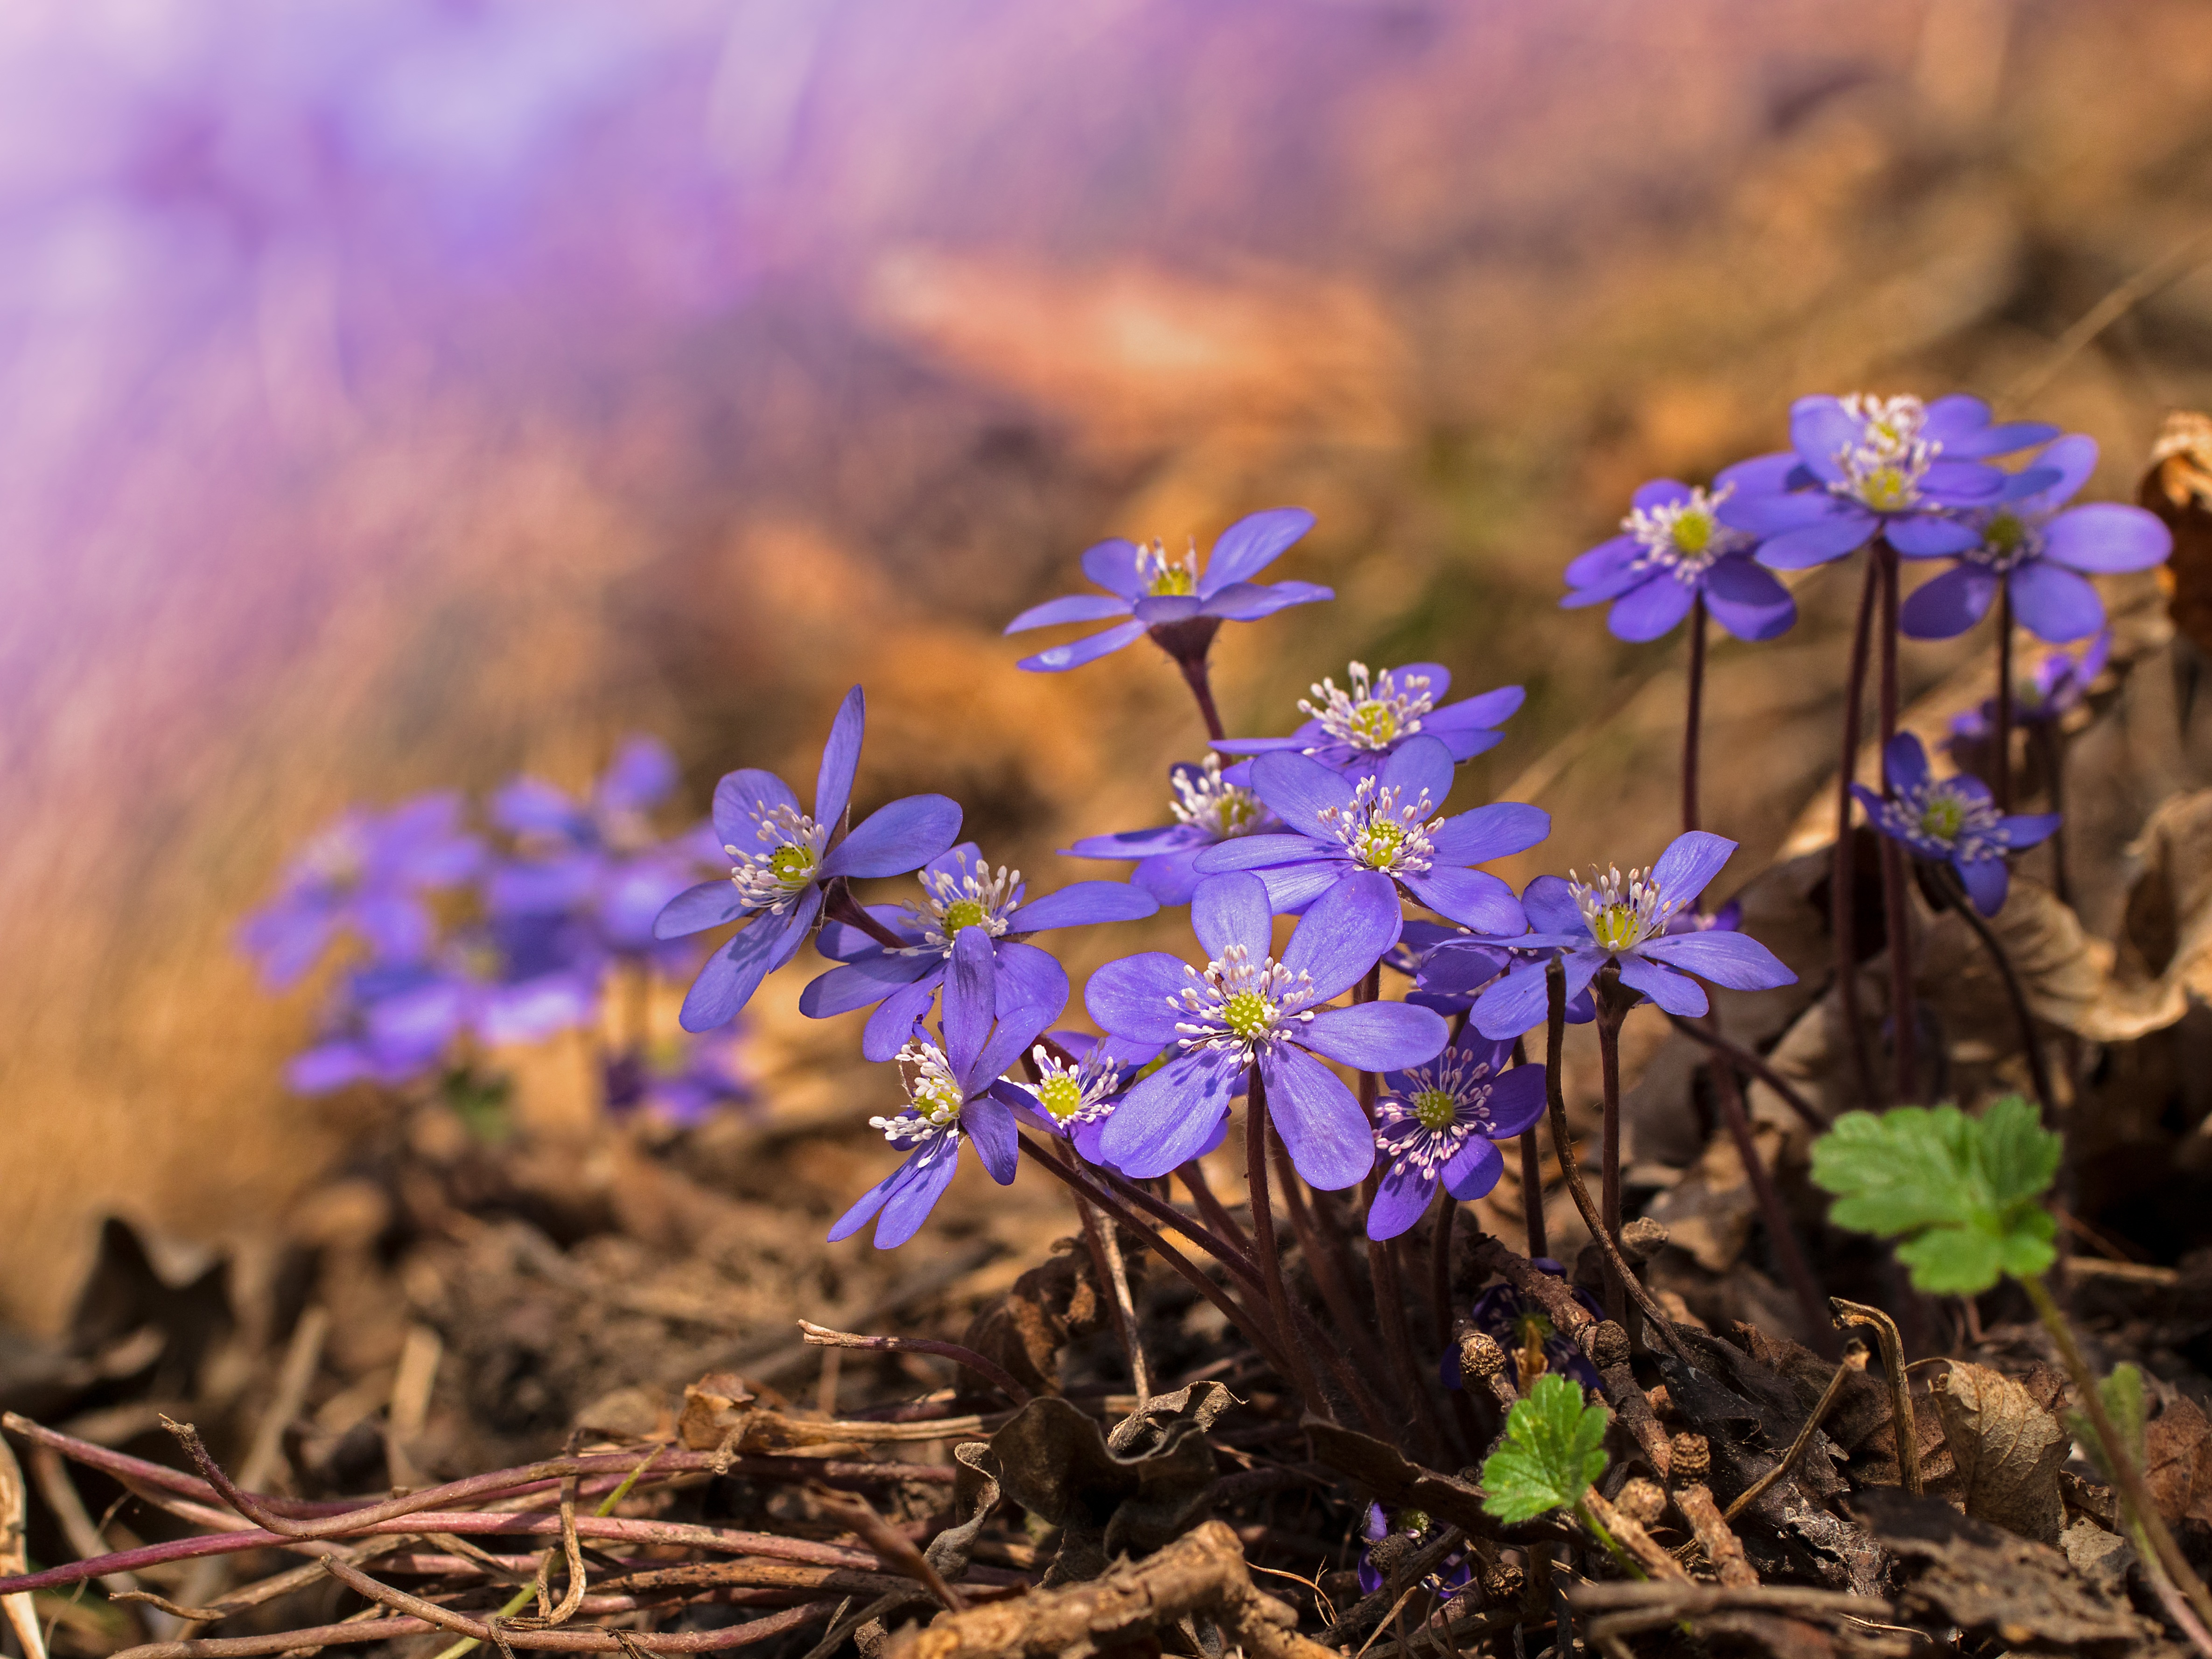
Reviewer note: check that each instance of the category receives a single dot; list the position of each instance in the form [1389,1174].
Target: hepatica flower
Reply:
[1071,1097]
[366,874]
[784,859]
[1355,728]
[1387,823]
[1153,590]
[1454,1574]
[960,894]
[2059,682]
[388,1024]
[948,1098]
[685,1082]
[2037,548]
[1672,548]
[1950,821]
[1864,466]
[1626,919]
[1520,1326]
[1439,1123]
[1208,810]
[1245,1009]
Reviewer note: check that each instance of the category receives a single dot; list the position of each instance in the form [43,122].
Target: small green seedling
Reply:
[1960,1192]
[1554,1449]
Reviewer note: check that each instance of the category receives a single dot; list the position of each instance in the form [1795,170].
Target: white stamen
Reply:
[933,1099]
[1884,468]
[1167,578]
[1684,537]
[1939,813]
[977,897]
[1223,811]
[1622,911]
[1381,835]
[772,880]
[1407,1124]
[1371,715]
[1239,1004]
[1073,1096]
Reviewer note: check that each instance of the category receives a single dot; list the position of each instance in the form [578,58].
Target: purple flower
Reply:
[960,892]
[2059,682]
[1515,1325]
[1441,1121]
[1355,730]
[1385,824]
[1863,466]
[1071,1101]
[599,859]
[1626,920]
[388,1024]
[543,974]
[784,861]
[1208,810]
[1457,970]
[2027,545]
[1950,821]
[1673,547]
[364,874]
[1246,1009]
[948,1089]
[1452,1576]
[684,1083]
[1154,591]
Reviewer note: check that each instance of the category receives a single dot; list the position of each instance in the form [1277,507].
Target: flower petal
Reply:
[1260,852]
[864,982]
[2054,603]
[1678,993]
[2107,535]
[1772,514]
[1292,889]
[1080,905]
[1821,429]
[1550,902]
[1474,1169]
[909,1204]
[1607,559]
[2027,828]
[1058,659]
[1156,609]
[841,758]
[1495,831]
[864,1210]
[1517,1100]
[1960,483]
[1344,933]
[1486,708]
[1904,763]
[1925,536]
[733,973]
[1691,861]
[1232,909]
[897,838]
[971,999]
[1650,611]
[1298,789]
[1520,1002]
[1949,604]
[1375,1037]
[1401,1199]
[1250,545]
[1831,537]
[1139,996]
[1421,764]
[1735,960]
[2073,458]
[1762,475]
[742,799]
[1167,1118]
[695,909]
[1986,880]
[1069,608]
[1249,601]
[1114,565]
[1473,898]
[990,1124]
[1320,1123]
[892,1023]
[1168,876]
[1745,599]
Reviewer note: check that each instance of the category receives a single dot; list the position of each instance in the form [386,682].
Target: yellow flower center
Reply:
[1171,580]
[1246,1014]
[1378,843]
[1693,532]
[793,866]
[961,912]
[1614,927]
[1435,1108]
[1374,724]
[1943,818]
[1062,1095]
[1886,488]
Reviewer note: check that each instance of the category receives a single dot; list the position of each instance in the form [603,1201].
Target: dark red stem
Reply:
[1843,911]
[1694,716]
[1896,873]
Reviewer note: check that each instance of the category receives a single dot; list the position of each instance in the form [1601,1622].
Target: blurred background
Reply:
[397,394]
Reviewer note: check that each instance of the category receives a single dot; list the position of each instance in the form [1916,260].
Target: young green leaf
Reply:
[2123,1395]
[1960,1191]
[1554,1449]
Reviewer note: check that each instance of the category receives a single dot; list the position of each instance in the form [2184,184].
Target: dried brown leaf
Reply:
[2008,1448]
[2178,488]
[2177,1443]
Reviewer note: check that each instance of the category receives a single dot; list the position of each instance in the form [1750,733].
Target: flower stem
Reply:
[1612,1009]
[1263,1240]
[838,904]
[1896,875]
[1694,716]
[1335,1288]
[1843,911]
[1188,643]
[2134,1491]
[2039,1068]
[1532,1173]
[1729,1095]
[2000,762]
[2051,749]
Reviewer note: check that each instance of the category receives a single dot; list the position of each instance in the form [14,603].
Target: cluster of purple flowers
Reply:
[464,941]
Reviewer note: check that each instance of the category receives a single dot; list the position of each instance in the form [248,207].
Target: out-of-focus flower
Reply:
[1454,1574]
[1861,466]
[2036,548]
[536,975]
[1950,821]
[1355,729]
[388,1024]
[1519,1327]
[2059,682]
[1624,920]
[1385,824]
[785,860]
[364,874]
[1439,1123]
[1246,1010]
[948,1089]
[1208,809]
[960,893]
[684,1082]
[1153,590]
[1673,547]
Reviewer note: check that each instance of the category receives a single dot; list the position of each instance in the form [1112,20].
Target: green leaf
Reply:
[2123,1395]
[1960,1191]
[1554,1449]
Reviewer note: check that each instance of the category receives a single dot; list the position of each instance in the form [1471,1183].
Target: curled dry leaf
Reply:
[2007,1449]
[2178,488]
[2178,1444]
